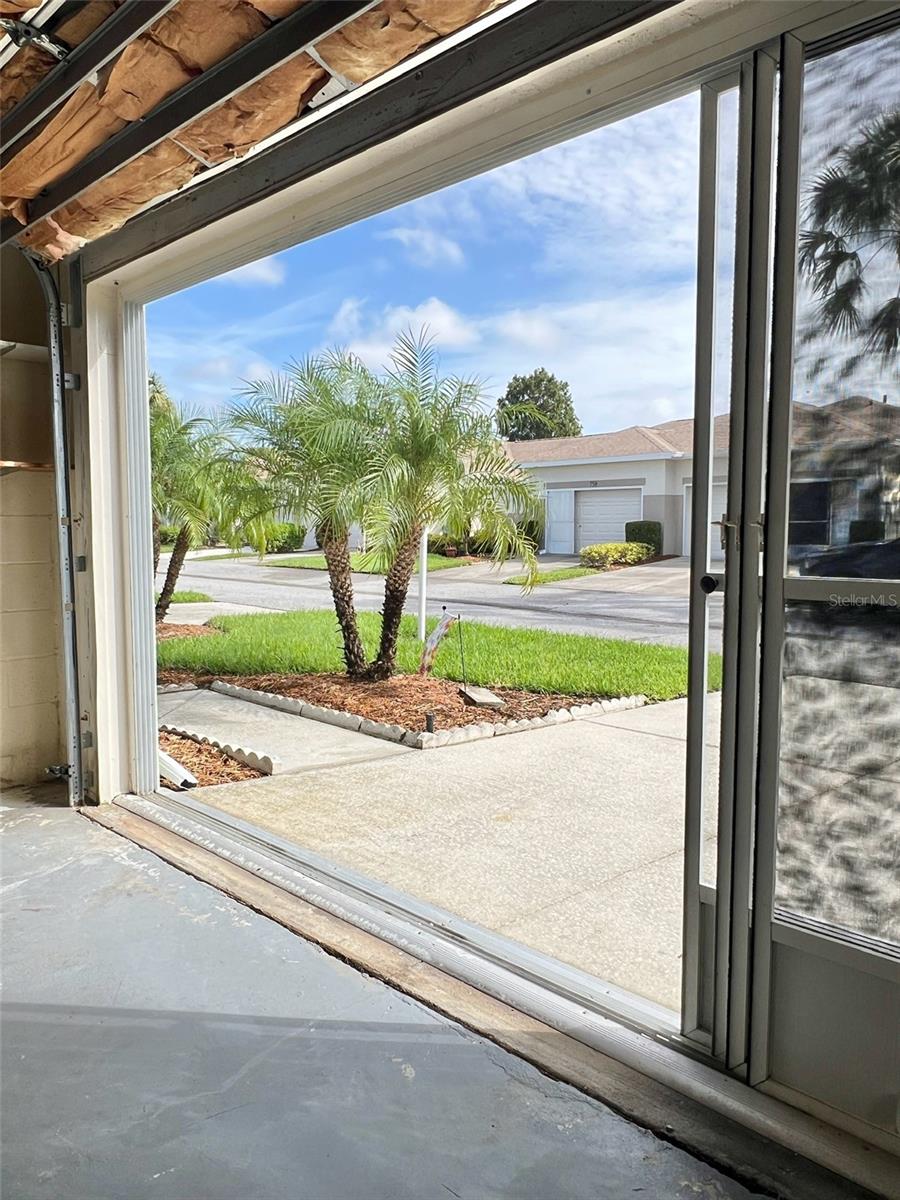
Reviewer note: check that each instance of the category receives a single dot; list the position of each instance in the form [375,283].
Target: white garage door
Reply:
[600,516]
[716,512]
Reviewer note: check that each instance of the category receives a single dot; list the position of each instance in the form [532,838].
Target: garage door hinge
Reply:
[87,739]
[81,562]
[71,381]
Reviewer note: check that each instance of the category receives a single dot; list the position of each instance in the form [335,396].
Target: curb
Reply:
[242,754]
[423,741]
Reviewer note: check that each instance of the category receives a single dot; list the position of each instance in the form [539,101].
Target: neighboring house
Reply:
[596,483]
[846,469]
[845,481]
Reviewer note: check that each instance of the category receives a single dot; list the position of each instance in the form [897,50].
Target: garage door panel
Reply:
[600,516]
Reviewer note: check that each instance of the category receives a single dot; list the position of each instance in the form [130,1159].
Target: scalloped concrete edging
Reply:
[242,754]
[425,741]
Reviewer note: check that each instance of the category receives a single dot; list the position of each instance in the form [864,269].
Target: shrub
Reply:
[616,554]
[285,536]
[649,532]
[439,543]
[868,530]
[168,534]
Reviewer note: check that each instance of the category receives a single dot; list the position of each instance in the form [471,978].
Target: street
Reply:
[641,604]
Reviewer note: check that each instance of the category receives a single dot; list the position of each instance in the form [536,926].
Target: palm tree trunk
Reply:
[337,559]
[176,561]
[157,546]
[396,586]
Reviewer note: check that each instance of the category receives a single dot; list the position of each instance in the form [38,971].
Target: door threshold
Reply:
[765,1144]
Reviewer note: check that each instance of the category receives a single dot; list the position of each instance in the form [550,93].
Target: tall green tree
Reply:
[850,246]
[437,462]
[184,450]
[302,446]
[537,406]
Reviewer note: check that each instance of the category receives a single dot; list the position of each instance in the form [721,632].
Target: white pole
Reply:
[423,580]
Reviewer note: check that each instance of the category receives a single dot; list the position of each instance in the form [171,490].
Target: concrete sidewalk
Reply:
[202,611]
[297,743]
[567,839]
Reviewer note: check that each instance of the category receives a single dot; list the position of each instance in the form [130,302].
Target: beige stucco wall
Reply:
[30,659]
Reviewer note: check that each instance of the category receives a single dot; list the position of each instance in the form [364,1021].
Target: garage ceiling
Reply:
[110,106]
[54,180]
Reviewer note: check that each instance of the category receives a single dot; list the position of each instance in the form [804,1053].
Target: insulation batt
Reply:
[390,32]
[187,40]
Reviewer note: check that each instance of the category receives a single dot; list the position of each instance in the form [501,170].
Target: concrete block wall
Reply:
[30,643]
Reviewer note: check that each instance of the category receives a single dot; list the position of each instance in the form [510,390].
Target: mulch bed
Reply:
[210,765]
[404,700]
[165,630]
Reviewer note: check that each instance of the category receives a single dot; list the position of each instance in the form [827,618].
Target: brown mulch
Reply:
[210,765]
[165,630]
[404,700]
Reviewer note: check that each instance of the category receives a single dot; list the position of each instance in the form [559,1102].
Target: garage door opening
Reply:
[550,827]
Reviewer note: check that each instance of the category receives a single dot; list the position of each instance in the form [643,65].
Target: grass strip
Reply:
[530,659]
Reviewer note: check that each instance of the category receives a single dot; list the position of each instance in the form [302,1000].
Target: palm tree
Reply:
[853,214]
[183,456]
[436,462]
[288,465]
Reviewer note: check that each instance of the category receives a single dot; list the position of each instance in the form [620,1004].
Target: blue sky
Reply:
[580,258]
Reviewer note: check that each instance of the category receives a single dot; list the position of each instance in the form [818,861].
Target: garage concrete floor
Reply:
[567,839]
[161,1040]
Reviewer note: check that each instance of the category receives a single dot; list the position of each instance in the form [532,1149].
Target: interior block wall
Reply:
[30,657]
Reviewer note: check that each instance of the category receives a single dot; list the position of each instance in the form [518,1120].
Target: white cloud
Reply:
[346,322]
[628,357]
[271,272]
[533,328]
[605,205]
[426,247]
[374,334]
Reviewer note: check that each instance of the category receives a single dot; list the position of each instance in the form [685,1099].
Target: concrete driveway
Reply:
[643,604]
[568,839]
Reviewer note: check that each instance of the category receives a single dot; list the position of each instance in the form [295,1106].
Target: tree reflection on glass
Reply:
[853,214]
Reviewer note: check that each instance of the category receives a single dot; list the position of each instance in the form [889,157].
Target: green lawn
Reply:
[316,562]
[532,659]
[552,575]
[188,598]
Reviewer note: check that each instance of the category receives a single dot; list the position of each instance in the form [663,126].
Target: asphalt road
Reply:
[577,606]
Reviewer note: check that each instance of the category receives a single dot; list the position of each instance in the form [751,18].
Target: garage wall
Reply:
[30,657]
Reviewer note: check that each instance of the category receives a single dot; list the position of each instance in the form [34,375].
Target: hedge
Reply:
[616,554]
[285,536]
[649,532]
